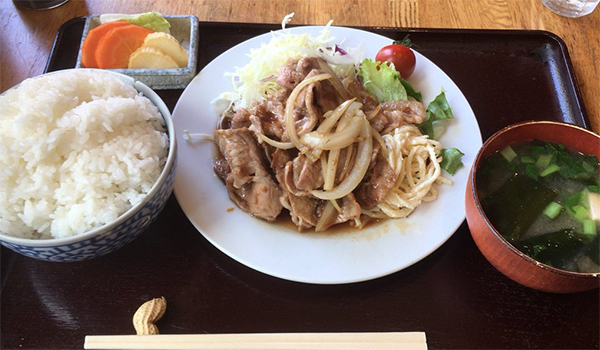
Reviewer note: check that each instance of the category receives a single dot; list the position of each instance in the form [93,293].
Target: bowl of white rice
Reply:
[87,162]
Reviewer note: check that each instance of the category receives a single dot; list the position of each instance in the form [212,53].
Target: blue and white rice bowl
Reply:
[126,227]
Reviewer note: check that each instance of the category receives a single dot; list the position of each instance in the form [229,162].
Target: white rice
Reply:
[77,149]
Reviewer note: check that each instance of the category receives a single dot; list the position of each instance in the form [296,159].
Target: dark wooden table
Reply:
[454,295]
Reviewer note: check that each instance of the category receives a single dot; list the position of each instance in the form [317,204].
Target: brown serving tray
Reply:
[454,295]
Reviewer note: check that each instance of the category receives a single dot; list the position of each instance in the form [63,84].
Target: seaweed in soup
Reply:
[537,195]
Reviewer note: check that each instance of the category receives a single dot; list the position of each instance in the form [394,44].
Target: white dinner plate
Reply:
[343,256]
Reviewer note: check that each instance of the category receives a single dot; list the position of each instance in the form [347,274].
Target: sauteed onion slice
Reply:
[361,165]
[290,126]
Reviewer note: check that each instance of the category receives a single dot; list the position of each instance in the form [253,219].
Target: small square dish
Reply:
[185,30]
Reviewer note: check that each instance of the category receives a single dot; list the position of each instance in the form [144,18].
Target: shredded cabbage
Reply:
[257,79]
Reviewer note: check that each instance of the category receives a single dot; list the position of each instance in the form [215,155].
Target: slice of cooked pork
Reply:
[349,211]
[240,119]
[380,180]
[394,114]
[249,184]
[305,211]
[259,198]
[269,116]
[307,175]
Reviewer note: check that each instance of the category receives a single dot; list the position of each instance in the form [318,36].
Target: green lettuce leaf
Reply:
[438,111]
[381,81]
[151,20]
[410,90]
[451,160]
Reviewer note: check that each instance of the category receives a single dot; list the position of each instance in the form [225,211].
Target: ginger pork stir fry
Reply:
[326,151]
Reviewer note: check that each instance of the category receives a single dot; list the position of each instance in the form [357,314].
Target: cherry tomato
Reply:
[401,56]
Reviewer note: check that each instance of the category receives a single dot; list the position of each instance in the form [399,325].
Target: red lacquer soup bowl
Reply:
[497,250]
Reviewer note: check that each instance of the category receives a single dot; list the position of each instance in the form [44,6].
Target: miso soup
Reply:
[544,199]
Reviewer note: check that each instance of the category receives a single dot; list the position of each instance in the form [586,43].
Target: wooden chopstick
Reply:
[264,341]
